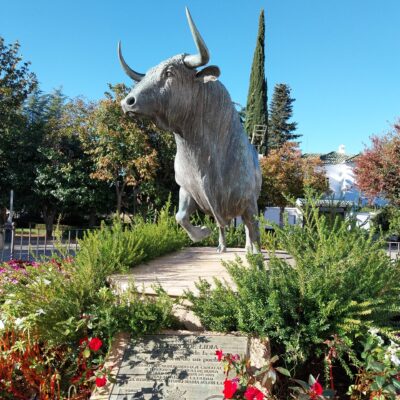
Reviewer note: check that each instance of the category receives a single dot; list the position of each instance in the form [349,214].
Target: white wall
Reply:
[342,183]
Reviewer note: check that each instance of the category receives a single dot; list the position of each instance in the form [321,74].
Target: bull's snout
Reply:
[128,103]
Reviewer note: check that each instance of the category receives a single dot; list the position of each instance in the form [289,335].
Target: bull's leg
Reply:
[222,242]
[187,206]
[249,216]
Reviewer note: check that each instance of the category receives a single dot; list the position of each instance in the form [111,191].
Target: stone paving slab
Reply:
[179,271]
[174,364]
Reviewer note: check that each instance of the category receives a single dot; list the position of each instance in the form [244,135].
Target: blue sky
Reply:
[340,57]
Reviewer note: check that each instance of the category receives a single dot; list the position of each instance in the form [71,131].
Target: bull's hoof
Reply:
[221,248]
[199,233]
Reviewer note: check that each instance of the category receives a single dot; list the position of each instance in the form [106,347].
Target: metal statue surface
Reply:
[216,167]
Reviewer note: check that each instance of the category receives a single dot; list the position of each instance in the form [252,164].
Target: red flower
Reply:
[230,387]
[100,382]
[316,390]
[83,341]
[219,354]
[252,393]
[95,344]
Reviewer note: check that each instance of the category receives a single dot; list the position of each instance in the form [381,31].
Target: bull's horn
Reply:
[136,76]
[202,58]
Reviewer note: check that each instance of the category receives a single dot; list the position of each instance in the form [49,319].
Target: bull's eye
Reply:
[169,74]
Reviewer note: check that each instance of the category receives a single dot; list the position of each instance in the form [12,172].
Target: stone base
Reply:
[179,271]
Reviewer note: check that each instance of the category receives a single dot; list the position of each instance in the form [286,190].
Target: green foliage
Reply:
[256,108]
[388,220]
[51,307]
[280,130]
[394,222]
[62,156]
[339,281]
[215,306]
[16,82]
[161,237]
[118,145]
[311,390]
[131,312]
[48,301]
[381,219]
[378,378]
[117,248]
[51,298]
[250,382]
[108,250]
[234,236]
[287,175]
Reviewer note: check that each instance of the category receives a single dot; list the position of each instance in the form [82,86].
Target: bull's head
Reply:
[166,93]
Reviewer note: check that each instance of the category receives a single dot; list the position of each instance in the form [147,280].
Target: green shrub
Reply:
[162,237]
[234,236]
[132,312]
[381,219]
[117,248]
[108,250]
[50,298]
[59,303]
[378,375]
[340,281]
[394,222]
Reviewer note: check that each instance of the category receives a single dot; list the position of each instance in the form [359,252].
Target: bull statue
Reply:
[216,166]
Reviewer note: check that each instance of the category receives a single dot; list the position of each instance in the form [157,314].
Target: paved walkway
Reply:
[179,271]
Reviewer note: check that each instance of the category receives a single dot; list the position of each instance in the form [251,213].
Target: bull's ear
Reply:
[207,74]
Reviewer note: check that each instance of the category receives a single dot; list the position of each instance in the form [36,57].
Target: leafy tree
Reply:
[155,193]
[286,174]
[378,167]
[280,130]
[59,172]
[23,151]
[56,171]
[256,109]
[16,82]
[118,145]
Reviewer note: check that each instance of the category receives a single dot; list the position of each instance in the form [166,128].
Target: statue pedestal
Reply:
[179,271]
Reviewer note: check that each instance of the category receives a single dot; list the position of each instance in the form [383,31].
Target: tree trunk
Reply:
[48,218]
[92,218]
[281,212]
[119,201]
[120,192]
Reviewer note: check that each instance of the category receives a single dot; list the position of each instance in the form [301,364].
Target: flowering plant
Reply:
[379,375]
[90,366]
[312,390]
[12,271]
[18,271]
[249,382]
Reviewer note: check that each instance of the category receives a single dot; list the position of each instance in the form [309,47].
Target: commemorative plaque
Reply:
[175,367]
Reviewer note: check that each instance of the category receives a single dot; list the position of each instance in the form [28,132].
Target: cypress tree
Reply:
[281,110]
[256,109]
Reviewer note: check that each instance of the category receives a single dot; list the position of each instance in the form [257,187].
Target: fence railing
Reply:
[33,243]
[394,250]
